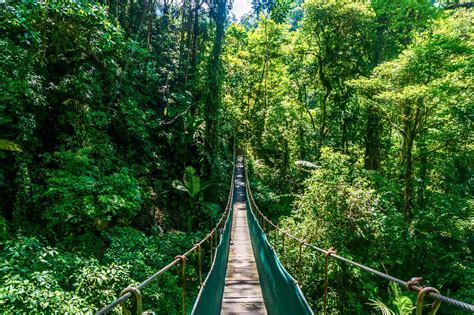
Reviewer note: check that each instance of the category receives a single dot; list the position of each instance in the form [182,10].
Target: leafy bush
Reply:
[80,197]
[35,276]
[98,284]
[146,255]
[339,206]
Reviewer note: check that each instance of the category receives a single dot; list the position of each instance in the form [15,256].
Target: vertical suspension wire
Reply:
[211,241]
[183,259]
[300,261]
[330,252]
[199,269]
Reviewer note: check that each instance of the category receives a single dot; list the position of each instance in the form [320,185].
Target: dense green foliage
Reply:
[103,106]
[379,96]
[117,121]
[38,277]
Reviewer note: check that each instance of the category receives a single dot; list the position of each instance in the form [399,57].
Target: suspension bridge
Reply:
[246,276]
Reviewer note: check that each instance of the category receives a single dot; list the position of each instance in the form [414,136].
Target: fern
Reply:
[384,309]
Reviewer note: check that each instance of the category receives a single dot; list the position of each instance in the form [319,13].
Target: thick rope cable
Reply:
[406,284]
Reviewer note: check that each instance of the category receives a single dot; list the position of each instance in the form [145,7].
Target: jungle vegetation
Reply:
[117,128]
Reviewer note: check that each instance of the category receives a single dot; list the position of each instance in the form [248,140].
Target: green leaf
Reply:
[213,208]
[192,181]
[404,305]
[8,145]
[179,186]
[378,305]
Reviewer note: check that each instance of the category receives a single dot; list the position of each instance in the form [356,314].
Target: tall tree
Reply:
[395,25]
[339,37]
[411,91]
[212,93]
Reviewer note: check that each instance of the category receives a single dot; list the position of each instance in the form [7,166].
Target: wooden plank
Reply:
[242,292]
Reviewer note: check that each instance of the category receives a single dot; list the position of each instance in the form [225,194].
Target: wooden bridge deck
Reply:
[242,292]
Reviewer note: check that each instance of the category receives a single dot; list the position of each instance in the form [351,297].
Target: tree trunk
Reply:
[327,87]
[182,43]
[189,38]
[408,182]
[322,125]
[195,39]
[372,140]
[151,16]
[423,175]
[407,163]
[212,93]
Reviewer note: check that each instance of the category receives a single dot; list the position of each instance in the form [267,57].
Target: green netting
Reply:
[209,300]
[281,293]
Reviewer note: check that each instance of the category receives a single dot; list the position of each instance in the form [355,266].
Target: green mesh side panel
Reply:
[209,300]
[280,292]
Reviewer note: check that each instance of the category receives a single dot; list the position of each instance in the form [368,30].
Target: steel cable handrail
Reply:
[179,258]
[411,285]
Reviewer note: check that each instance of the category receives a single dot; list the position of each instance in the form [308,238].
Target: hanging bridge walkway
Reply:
[246,276]
[242,292]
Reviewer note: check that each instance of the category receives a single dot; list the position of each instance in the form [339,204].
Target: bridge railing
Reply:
[412,285]
[212,238]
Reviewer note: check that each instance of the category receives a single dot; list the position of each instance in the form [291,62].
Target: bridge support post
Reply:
[299,261]
[138,301]
[211,240]
[216,242]
[283,245]
[199,254]
[326,263]
[421,295]
[183,279]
